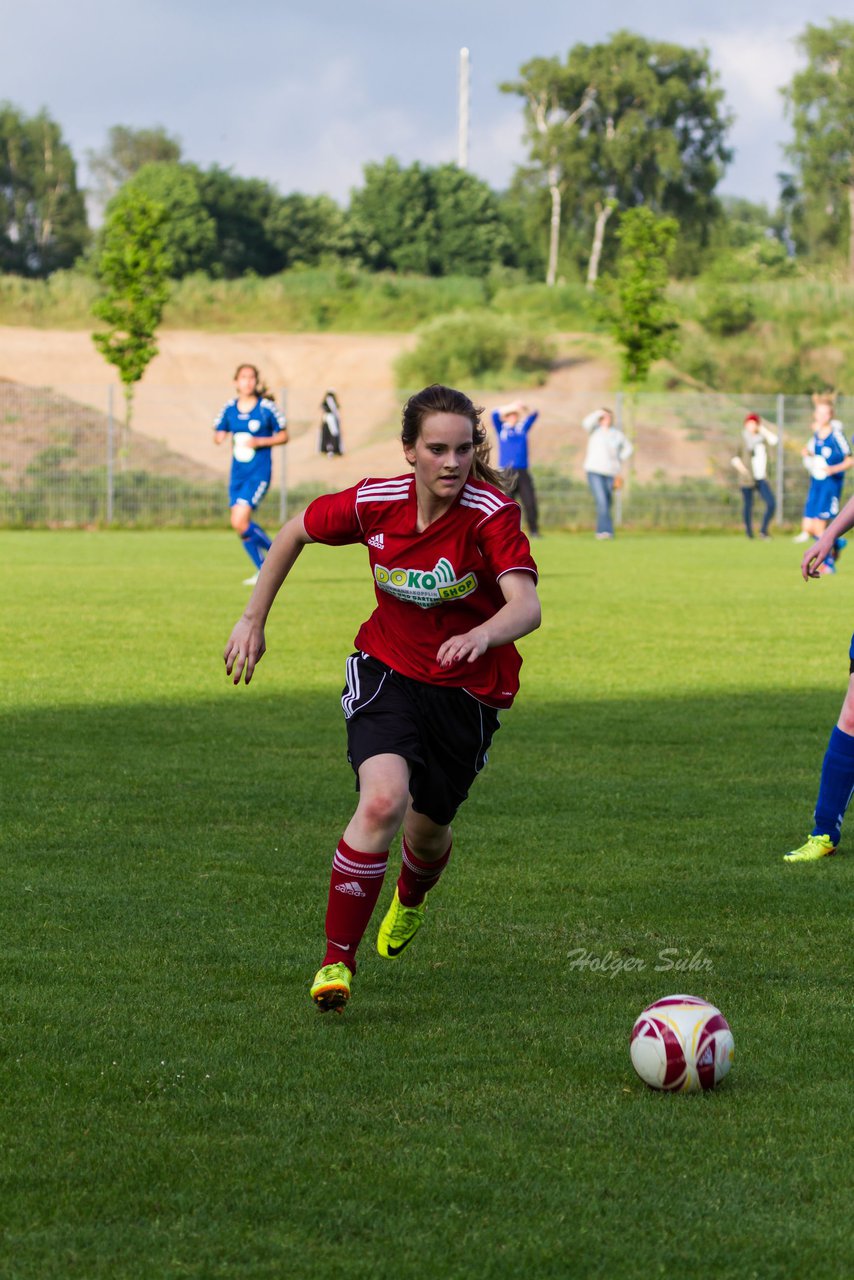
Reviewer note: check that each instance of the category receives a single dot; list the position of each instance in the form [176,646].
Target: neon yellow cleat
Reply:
[399,927]
[816,847]
[331,987]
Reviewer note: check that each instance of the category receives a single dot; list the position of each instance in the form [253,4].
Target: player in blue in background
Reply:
[255,426]
[513,423]
[827,455]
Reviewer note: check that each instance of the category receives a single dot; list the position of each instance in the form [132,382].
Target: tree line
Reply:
[629,122]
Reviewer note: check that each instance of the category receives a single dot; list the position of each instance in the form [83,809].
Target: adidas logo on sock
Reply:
[352,887]
[376,540]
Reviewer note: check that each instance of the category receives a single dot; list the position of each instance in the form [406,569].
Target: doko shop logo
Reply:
[425,587]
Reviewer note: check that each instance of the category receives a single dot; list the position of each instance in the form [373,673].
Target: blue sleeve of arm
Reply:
[530,420]
[496,419]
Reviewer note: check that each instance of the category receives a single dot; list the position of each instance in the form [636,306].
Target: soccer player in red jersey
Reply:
[455,586]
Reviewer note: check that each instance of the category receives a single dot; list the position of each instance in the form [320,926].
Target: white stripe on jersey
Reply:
[275,410]
[839,437]
[480,500]
[385,491]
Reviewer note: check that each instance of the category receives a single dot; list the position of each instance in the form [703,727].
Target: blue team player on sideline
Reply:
[512,423]
[837,771]
[255,426]
[827,455]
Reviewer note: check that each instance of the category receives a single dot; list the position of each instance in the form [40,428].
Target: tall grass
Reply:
[338,299]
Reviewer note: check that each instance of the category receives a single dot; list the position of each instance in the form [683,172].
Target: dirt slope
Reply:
[188,382]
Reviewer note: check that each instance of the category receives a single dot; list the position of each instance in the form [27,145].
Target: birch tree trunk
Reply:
[554,227]
[603,213]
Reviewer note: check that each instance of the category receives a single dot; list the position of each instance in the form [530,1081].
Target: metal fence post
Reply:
[781,423]
[110,454]
[283,462]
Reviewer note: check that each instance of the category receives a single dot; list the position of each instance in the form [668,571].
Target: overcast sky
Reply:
[304,94]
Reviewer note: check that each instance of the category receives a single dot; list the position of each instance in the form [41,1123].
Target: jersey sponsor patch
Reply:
[426,588]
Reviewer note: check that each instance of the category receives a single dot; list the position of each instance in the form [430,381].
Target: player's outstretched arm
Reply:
[816,555]
[246,646]
[520,615]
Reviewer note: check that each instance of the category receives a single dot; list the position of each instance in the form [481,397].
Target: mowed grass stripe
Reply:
[172,1105]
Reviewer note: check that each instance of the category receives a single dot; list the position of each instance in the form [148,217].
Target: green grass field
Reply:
[172,1105]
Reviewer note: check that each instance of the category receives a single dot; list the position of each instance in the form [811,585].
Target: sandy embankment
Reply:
[186,385]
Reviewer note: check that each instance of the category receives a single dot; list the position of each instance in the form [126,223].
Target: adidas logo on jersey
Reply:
[355,890]
[376,540]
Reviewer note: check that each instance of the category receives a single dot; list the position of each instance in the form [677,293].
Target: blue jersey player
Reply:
[828,456]
[512,423]
[836,786]
[255,426]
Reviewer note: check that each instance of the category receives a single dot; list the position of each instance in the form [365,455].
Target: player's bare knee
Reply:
[382,810]
[240,518]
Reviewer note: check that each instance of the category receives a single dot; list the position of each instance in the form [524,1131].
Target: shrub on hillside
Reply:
[724,312]
[475,347]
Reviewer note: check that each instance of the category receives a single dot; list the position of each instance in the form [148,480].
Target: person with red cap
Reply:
[754,474]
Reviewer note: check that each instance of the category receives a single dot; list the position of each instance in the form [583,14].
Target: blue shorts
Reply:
[249,491]
[823,498]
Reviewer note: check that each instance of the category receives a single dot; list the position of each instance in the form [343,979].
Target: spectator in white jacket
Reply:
[607,450]
[753,473]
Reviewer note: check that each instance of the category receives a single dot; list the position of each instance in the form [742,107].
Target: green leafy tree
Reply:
[391,217]
[189,232]
[557,98]
[42,213]
[304,230]
[125,152]
[436,221]
[624,123]
[239,210]
[640,317]
[133,269]
[820,101]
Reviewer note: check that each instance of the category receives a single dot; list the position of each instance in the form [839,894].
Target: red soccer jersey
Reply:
[431,585]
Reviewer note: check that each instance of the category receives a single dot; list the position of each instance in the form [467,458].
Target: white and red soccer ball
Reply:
[681,1044]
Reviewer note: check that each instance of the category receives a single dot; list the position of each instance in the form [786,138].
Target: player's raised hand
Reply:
[244,650]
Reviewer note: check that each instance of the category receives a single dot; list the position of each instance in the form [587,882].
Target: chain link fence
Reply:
[69,459]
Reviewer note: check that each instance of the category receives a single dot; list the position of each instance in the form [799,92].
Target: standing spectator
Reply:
[754,476]
[255,426]
[607,450]
[329,441]
[512,423]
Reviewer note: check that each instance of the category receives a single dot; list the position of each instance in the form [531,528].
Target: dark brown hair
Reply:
[260,390]
[440,399]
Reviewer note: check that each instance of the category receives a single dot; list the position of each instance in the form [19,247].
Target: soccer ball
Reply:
[681,1044]
[816,466]
[242,446]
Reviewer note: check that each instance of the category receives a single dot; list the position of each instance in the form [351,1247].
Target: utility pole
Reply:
[463,135]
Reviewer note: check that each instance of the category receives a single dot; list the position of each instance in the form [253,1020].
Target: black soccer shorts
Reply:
[442,732]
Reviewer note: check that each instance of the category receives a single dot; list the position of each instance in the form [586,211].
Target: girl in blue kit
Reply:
[836,785]
[828,456]
[255,426]
[512,423]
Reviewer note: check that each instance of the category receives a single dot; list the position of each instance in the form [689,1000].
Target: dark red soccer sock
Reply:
[353,891]
[418,877]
